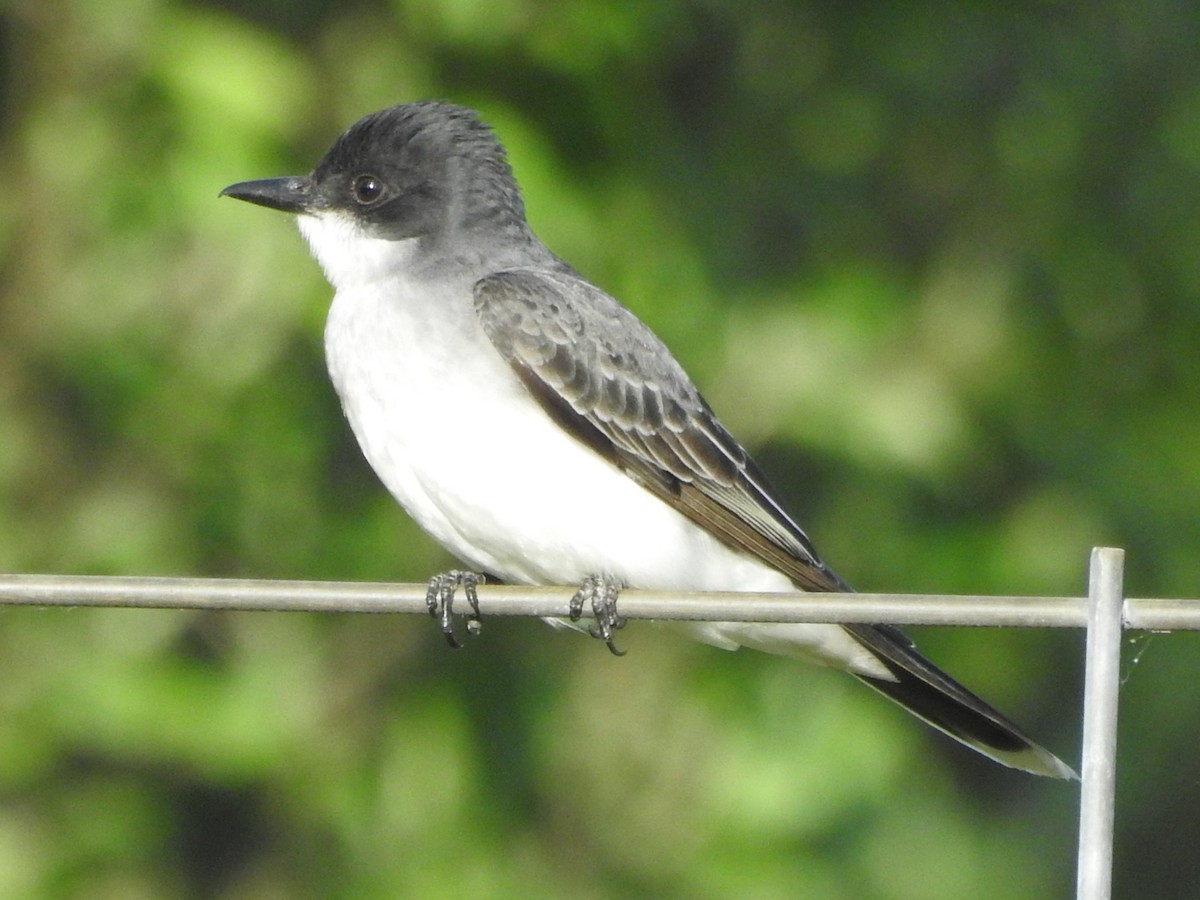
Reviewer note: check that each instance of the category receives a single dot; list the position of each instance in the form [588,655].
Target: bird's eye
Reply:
[367,189]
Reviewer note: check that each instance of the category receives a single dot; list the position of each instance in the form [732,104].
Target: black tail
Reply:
[930,694]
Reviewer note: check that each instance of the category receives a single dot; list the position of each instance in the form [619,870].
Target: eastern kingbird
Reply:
[538,430]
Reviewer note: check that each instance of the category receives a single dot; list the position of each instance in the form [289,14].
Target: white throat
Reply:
[349,255]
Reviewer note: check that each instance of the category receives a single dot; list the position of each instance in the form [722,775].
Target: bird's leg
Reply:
[439,598]
[601,592]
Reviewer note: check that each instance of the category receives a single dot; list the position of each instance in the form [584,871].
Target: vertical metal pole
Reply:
[1102,680]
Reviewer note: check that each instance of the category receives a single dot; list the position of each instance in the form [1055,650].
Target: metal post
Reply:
[1102,680]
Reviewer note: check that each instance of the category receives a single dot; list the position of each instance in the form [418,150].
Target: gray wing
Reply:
[606,378]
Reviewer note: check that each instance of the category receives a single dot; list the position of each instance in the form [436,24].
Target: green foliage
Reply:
[938,267]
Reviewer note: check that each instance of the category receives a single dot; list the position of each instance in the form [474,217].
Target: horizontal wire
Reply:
[524,600]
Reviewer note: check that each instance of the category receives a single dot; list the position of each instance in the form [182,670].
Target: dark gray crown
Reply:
[439,169]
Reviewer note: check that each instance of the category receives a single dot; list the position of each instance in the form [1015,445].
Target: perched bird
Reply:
[538,430]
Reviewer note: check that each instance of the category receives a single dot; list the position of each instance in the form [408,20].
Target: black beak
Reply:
[294,194]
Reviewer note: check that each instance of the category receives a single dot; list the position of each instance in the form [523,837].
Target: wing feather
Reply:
[641,410]
[605,378]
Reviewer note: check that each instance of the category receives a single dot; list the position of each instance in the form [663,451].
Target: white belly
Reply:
[458,441]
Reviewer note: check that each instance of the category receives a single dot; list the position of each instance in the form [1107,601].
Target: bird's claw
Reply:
[600,591]
[439,599]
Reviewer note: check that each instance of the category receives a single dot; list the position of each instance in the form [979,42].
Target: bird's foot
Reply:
[439,598]
[601,592]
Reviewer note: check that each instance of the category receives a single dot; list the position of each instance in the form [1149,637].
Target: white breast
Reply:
[472,457]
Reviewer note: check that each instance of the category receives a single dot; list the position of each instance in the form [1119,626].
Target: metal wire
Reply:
[1103,613]
[522,600]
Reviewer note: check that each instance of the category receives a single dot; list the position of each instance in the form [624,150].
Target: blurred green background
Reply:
[936,265]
